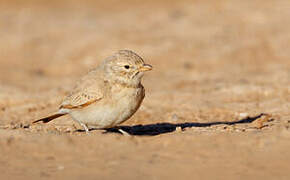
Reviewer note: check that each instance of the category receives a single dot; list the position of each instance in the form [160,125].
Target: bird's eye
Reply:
[126,66]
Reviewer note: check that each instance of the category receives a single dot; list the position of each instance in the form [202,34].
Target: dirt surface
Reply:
[217,104]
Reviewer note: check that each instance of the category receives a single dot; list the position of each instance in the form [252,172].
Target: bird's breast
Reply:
[127,101]
[116,107]
[128,98]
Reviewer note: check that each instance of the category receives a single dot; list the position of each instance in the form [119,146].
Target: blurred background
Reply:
[202,51]
[214,60]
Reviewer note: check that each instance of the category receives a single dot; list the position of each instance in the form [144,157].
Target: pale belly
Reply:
[110,112]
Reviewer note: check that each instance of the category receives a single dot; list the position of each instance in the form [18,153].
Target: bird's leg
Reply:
[123,132]
[85,127]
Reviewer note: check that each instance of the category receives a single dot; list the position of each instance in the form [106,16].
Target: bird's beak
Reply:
[145,67]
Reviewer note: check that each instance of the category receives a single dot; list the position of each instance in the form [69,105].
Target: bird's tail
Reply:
[49,118]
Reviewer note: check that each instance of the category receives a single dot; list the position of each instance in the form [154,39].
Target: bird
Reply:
[108,95]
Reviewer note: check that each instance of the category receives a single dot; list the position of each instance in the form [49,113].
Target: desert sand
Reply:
[217,103]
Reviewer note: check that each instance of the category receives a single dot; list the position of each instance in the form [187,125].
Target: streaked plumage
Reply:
[108,95]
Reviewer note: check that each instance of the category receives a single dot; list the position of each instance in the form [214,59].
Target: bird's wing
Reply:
[89,90]
[81,99]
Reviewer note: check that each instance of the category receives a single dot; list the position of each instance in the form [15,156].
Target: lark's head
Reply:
[125,67]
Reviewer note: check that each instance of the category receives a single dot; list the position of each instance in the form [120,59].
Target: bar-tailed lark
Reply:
[108,95]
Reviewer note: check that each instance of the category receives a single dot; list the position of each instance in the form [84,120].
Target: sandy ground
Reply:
[217,103]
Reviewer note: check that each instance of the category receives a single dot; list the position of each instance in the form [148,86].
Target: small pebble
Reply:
[244,115]
[174,118]
[60,167]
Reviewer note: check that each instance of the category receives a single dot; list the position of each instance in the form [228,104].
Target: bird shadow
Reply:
[162,128]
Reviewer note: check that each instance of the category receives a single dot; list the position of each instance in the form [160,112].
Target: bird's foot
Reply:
[85,127]
[124,132]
